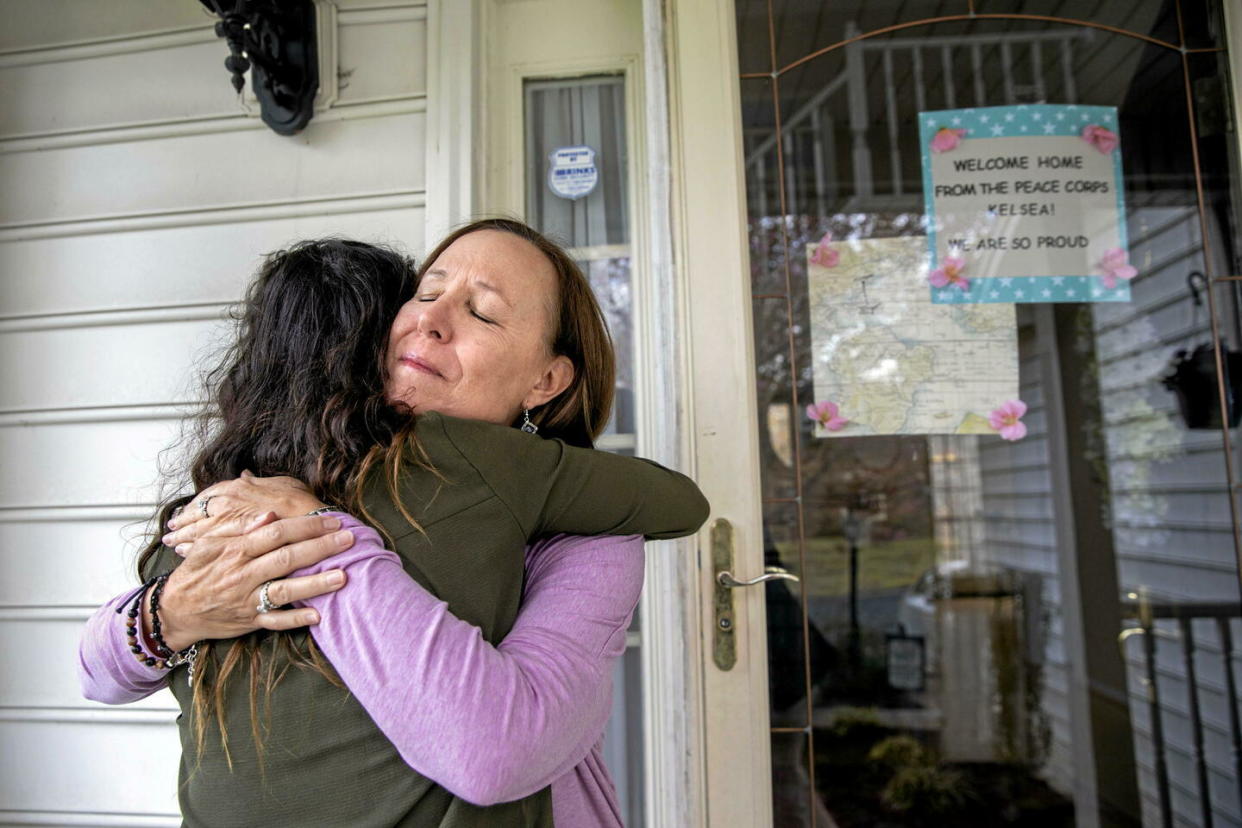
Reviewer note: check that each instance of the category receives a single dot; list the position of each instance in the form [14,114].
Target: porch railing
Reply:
[814,120]
[1174,620]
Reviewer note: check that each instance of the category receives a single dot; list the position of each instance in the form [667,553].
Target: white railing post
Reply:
[856,83]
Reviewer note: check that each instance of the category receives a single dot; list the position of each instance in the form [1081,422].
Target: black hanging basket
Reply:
[1192,377]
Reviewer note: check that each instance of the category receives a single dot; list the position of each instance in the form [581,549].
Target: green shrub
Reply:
[926,790]
[897,752]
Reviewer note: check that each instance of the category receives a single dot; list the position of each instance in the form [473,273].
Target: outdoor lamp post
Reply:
[852,527]
[275,41]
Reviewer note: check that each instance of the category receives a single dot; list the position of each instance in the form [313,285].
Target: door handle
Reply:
[724,637]
[770,573]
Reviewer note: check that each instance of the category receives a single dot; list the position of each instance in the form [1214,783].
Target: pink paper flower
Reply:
[1008,420]
[1105,140]
[1115,265]
[825,413]
[825,256]
[946,139]
[950,273]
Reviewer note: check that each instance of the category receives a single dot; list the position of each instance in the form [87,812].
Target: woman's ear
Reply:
[555,379]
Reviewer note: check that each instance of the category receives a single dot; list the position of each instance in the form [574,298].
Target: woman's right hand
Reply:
[214,593]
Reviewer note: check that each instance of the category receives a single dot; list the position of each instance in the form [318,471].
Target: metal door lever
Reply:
[770,573]
[724,637]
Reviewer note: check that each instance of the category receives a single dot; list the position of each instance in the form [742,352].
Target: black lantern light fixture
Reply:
[275,41]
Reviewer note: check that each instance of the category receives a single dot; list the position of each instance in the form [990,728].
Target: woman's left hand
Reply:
[233,506]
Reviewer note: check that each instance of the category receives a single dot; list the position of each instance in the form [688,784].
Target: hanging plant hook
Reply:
[1197,282]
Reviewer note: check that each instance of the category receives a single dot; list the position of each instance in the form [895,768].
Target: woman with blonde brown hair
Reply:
[501,329]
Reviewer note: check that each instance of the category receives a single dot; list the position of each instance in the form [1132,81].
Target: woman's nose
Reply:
[434,320]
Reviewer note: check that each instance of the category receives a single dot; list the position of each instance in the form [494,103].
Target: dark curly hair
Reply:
[300,392]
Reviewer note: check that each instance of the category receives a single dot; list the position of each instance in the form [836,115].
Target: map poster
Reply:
[1025,204]
[886,360]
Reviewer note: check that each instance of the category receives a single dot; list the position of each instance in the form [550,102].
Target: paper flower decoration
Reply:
[947,138]
[950,273]
[1115,266]
[1008,420]
[825,255]
[825,413]
[1105,140]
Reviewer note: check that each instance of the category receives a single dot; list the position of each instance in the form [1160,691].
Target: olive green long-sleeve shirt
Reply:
[324,760]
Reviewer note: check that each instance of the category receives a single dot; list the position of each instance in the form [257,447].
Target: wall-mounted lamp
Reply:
[275,41]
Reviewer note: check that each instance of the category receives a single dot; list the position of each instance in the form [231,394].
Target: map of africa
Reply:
[893,362]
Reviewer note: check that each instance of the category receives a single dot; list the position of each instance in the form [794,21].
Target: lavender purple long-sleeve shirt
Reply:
[490,724]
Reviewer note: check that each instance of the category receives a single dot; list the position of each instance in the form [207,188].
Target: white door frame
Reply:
[711,243]
[458,138]
[452,167]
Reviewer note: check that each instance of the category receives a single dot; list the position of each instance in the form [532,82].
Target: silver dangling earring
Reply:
[527,425]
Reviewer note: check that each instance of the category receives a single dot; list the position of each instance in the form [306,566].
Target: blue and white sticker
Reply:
[573,173]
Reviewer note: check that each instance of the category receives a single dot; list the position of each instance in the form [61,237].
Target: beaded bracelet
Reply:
[167,658]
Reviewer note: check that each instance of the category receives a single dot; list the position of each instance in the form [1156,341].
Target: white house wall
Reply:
[137,196]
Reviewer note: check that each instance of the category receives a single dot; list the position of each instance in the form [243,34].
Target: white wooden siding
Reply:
[136,198]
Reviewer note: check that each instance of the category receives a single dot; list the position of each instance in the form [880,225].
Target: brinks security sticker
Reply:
[572,173]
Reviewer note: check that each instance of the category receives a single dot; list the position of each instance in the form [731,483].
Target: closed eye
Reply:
[481,317]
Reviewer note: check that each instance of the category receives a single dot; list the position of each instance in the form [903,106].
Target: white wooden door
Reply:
[711,248]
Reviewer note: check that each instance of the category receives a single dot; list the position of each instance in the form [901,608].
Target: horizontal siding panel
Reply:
[1172,579]
[183,79]
[1027,560]
[108,365]
[180,81]
[1018,479]
[1160,471]
[1140,335]
[49,24]
[74,768]
[383,59]
[997,455]
[171,266]
[1023,505]
[32,680]
[999,532]
[1152,508]
[355,157]
[85,819]
[82,464]
[67,562]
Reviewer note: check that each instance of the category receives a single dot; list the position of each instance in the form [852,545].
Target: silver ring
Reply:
[202,505]
[265,603]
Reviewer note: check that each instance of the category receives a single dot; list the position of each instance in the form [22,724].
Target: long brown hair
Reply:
[579,413]
[300,392]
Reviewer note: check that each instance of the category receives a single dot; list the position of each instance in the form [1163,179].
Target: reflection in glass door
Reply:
[1039,631]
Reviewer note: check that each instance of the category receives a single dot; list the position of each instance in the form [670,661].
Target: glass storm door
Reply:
[1016,614]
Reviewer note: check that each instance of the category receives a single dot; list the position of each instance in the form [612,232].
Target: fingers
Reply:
[182,544]
[286,619]
[287,590]
[282,560]
[234,522]
[260,520]
[287,532]
[193,512]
